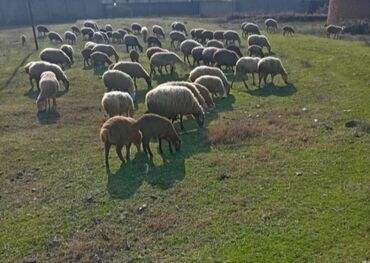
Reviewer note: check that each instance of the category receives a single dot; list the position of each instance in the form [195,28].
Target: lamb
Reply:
[134,55]
[36,68]
[68,50]
[70,37]
[250,28]
[153,41]
[178,26]
[255,51]
[119,131]
[109,28]
[235,49]
[42,30]
[213,84]
[119,81]
[135,70]
[272,66]
[288,30]
[271,25]
[187,46]
[231,36]
[118,103]
[244,66]
[144,32]
[178,37]
[49,86]
[54,36]
[160,59]
[208,55]
[99,59]
[197,54]
[170,101]
[158,31]
[136,28]
[132,41]
[56,56]
[206,70]
[225,57]
[218,35]
[87,31]
[334,30]
[206,35]
[107,49]
[86,54]
[75,30]
[259,40]
[23,40]
[215,43]
[155,126]
[91,24]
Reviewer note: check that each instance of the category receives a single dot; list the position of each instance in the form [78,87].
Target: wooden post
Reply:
[33,24]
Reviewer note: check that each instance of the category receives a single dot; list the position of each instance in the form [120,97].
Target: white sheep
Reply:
[98,37]
[271,25]
[178,26]
[206,70]
[56,56]
[244,66]
[215,43]
[158,31]
[68,50]
[259,40]
[87,31]
[132,41]
[144,32]
[90,44]
[49,86]
[54,36]
[118,103]
[231,36]
[99,59]
[250,28]
[187,46]
[119,81]
[178,37]
[70,37]
[213,84]
[136,28]
[36,68]
[334,30]
[208,55]
[135,70]
[42,30]
[225,57]
[107,49]
[160,59]
[170,101]
[91,24]
[271,66]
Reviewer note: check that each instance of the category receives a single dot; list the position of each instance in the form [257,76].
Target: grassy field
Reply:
[274,176]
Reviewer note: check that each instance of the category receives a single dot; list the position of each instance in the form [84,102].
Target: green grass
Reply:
[212,202]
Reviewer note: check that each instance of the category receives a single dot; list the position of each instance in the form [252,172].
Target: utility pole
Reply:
[33,24]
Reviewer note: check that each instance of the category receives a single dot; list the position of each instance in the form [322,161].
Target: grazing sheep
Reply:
[155,126]
[255,51]
[271,25]
[99,59]
[187,46]
[107,49]
[334,30]
[75,30]
[206,70]
[250,28]
[136,28]
[158,31]
[86,54]
[117,37]
[244,66]
[236,50]
[98,37]
[288,30]
[225,57]
[153,41]
[49,86]
[151,51]
[23,40]
[119,131]
[135,70]
[90,45]
[197,34]
[231,36]
[27,67]
[259,40]
[178,37]
[144,32]
[208,55]
[91,24]
[54,36]
[219,35]
[204,92]
[271,66]
[160,59]
[36,68]
[134,55]
[68,50]
[56,56]
[206,36]
[70,37]
[132,41]
[213,84]
[178,26]
[42,30]
[119,81]
[118,103]
[197,54]
[170,101]
[87,31]
[109,28]
[215,43]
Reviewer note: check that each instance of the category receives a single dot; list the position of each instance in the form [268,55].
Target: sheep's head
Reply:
[177,143]
[199,117]
[285,77]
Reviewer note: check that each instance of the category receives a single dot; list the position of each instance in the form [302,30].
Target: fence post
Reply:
[33,24]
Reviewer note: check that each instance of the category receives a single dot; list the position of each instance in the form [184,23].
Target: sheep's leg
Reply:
[254,82]
[119,152]
[54,104]
[144,146]
[245,84]
[172,69]
[232,82]
[135,83]
[260,79]
[265,78]
[149,150]
[181,124]
[170,147]
[160,145]
[128,146]
[107,148]
[31,83]
[127,48]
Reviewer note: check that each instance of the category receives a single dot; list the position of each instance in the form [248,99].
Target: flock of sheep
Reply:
[168,101]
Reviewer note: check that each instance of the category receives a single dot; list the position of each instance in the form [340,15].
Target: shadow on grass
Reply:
[48,117]
[168,77]
[272,90]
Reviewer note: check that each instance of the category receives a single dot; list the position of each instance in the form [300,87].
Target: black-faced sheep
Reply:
[259,40]
[187,46]
[118,103]
[49,86]
[36,68]
[131,41]
[178,37]
[109,50]
[206,70]
[244,66]
[116,80]
[271,66]
[56,56]
[54,36]
[135,70]
[155,126]
[271,25]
